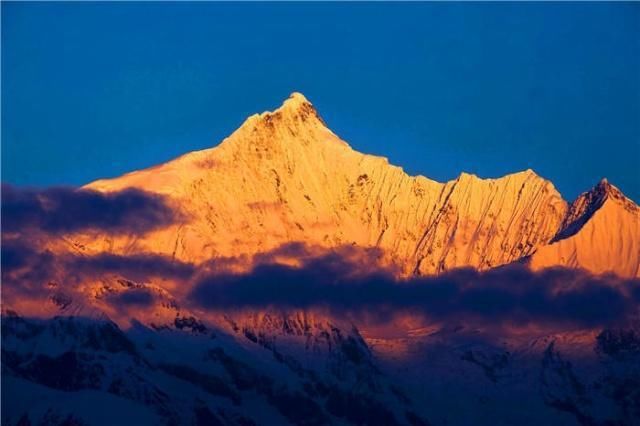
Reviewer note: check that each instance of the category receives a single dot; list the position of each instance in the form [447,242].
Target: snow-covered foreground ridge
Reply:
[169,366]
[283,176]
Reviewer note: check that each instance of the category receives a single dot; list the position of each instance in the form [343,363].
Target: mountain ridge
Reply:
[284,176]
[600,233]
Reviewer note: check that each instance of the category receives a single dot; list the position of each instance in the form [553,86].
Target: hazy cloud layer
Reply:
[512,293]
[138,297]
[27,272]
[139,267]
[62,210]
[345,280]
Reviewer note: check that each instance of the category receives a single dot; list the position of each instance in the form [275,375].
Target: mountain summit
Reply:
[601,232]
[283,177]
[583,208]
[295,109]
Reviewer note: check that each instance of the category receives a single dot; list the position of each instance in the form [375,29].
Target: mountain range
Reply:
[282,277]
[283,176]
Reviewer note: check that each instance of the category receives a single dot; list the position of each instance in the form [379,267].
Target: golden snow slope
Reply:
[601,234]
[283,176]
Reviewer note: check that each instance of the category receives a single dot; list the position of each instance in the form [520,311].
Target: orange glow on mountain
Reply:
[283,177]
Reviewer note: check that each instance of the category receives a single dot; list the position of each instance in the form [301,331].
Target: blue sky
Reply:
[92,90]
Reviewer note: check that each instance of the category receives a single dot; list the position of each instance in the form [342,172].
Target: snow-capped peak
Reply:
[284,177]
[295,100]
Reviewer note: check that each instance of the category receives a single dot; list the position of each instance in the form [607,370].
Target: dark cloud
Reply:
[61,210]
[139,267]
[347,280]
[40,266]
[22,259]
[15,256]
[512,293]
[26,272]
[138,297]
[31,218]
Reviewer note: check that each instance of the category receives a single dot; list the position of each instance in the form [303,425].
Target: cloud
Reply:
[26,272]
[65,210]
[31,218]
[346,280]
[512,293]
[139,267]
[15,256]
[137,297]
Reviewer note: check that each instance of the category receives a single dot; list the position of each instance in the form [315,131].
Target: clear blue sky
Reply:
[98,89]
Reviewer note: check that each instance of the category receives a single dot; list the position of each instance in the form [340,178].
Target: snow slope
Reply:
[601,233]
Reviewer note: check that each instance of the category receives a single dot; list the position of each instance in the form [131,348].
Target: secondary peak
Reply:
[603,188]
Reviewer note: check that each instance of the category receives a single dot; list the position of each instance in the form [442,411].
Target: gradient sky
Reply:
[98,89]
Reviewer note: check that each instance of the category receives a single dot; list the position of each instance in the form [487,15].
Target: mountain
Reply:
[77,360]
[296,368]
[87,342]
[600,233]
[283,176]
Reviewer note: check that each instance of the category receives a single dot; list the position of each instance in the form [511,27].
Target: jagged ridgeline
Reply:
[283,176]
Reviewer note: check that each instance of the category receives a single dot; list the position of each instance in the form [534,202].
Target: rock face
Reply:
[283,176]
